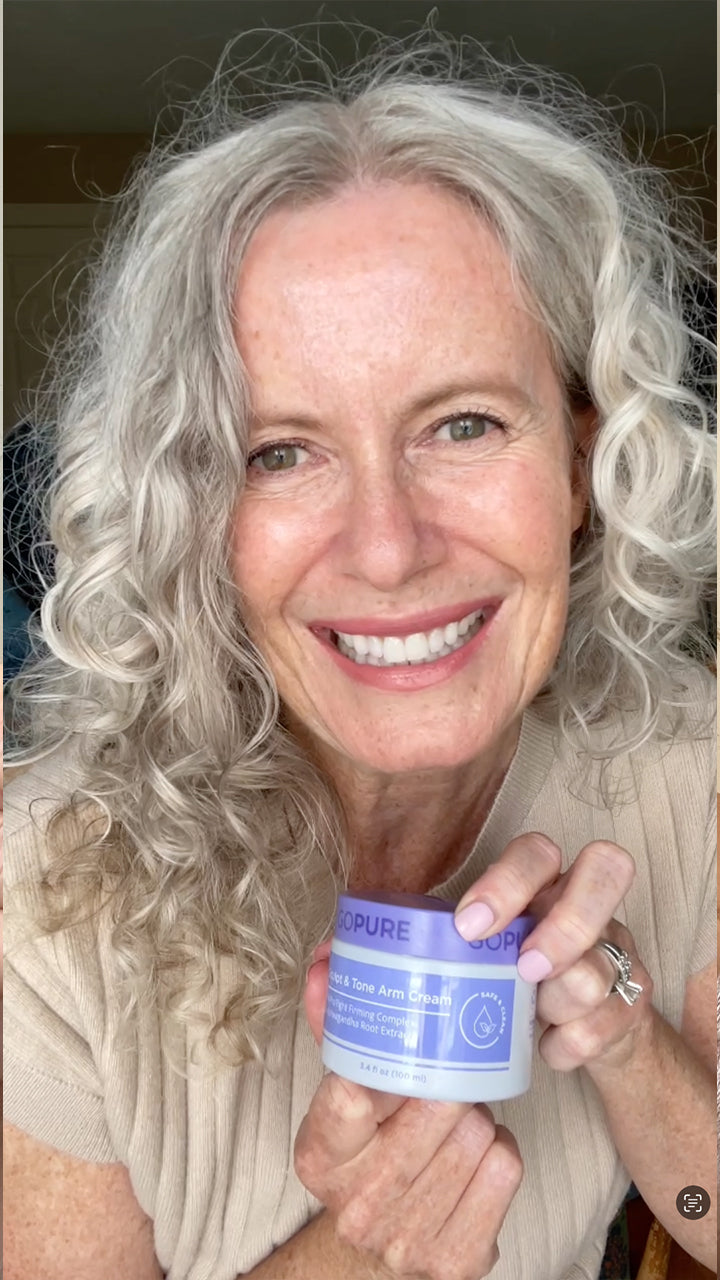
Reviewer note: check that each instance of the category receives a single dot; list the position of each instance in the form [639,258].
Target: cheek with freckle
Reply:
[529,522]
[271,553]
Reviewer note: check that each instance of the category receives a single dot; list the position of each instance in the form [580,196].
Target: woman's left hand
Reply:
[585,1027]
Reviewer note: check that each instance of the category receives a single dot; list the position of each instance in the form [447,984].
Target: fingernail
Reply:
[533,966]
[474,920]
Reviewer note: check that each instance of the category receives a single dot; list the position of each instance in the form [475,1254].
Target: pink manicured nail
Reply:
[474,920]
[533,966]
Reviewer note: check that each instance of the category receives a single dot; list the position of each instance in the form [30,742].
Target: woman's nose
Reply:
[390,531]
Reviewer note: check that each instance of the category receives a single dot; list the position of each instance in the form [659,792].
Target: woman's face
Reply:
[365,323]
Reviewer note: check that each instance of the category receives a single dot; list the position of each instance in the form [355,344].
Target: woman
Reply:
[404,358]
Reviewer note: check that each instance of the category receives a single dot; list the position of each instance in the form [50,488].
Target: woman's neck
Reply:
[410,833]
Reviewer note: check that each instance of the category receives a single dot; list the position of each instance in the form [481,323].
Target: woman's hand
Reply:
[423,1186]
[575,910]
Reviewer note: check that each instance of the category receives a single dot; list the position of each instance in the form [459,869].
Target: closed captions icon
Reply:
[693,1202]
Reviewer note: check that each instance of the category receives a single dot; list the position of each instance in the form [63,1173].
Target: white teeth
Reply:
[394,649]
[422,647]
[436,640]
[417,647]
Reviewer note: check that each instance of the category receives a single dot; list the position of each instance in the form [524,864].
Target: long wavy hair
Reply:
[217,834]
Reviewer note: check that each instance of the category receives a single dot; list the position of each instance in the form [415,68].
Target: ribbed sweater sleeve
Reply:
[52,1088]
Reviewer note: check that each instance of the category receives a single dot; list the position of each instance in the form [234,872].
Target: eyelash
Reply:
[454,417]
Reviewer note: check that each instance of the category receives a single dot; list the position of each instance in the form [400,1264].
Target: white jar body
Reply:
[439,1029]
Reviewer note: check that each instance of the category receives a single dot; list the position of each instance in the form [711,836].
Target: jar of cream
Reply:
[413,1008]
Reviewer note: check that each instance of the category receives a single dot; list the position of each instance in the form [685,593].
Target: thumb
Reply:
[316,986]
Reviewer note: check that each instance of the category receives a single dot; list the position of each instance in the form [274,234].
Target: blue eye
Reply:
[282,456]
[276,457]
[464,426]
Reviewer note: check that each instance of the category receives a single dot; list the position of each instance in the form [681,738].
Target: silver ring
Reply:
[623,967]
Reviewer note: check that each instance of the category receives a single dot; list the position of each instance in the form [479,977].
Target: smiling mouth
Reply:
[417,650]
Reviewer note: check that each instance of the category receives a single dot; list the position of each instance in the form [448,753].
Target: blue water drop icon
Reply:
[483,1025]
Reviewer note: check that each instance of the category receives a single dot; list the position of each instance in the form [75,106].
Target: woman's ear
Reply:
[585,422]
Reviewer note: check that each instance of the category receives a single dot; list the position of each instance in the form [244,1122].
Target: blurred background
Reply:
[85,82]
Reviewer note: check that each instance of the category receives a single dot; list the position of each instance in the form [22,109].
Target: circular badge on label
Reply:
[482,1019]
[693,1202]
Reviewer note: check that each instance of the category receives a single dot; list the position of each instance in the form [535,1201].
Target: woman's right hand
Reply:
[423,1186]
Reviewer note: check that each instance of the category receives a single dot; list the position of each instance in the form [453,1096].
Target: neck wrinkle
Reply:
[408,874]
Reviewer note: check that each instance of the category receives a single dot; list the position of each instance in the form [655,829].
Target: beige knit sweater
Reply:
[211,1159]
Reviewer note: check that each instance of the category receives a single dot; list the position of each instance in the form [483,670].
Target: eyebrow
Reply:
[506,389]
[484,387]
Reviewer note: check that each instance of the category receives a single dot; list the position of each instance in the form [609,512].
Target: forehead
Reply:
[385,276]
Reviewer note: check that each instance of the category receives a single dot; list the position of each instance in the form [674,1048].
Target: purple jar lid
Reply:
[416,924]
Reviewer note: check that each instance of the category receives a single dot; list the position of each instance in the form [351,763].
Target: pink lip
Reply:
[402,626]
[407,679]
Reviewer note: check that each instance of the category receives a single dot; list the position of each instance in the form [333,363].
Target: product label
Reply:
[431,1018]
[391,928]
